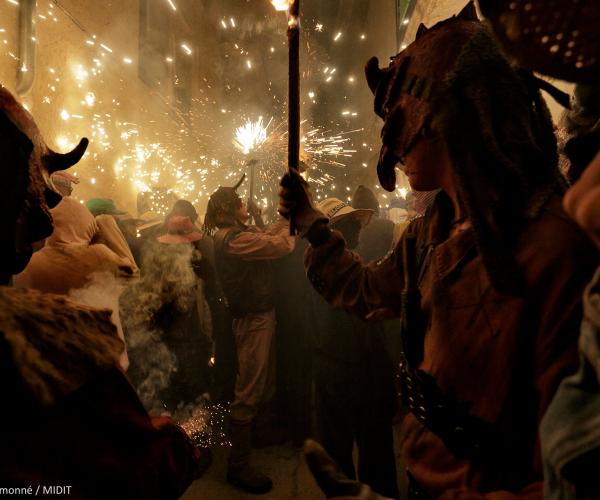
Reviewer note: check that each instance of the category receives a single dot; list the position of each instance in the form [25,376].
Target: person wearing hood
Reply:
[242,254]
[70,415]
[488,283]
[127,224]
[79,246]
[85,257]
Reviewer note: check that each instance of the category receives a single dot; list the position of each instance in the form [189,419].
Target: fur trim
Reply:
[56,345]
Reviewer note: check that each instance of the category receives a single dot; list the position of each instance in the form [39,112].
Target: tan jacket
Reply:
[503,354]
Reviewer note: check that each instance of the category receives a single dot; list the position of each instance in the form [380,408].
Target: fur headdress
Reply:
[497,129]
[222,206]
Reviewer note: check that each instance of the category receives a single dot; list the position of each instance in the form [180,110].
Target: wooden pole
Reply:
[252,165]
[293,34]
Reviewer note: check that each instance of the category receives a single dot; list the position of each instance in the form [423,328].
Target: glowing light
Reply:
[223,23]
[403,192]
[337,36]
[65,115]
[14,2]
[319,27]
[403,46]
[405,21]
[173,6]
[251,135]
[90,98]
[127,60]
[169,59]
[363,36]
[351,79]
[187,50]
[329,78]
[272,49]
[80,72]
[249,63]
[281,5]
[106,47]
[93,180]
[311,94]
[90,42]
[63,142]
[232,22]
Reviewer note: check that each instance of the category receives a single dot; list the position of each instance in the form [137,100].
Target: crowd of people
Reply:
[466,322]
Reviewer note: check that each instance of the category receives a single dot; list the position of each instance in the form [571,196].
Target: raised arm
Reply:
[370,291]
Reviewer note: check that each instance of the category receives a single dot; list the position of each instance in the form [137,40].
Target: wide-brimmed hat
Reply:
[335,209]
[558,38]
[99,206]
[180,230]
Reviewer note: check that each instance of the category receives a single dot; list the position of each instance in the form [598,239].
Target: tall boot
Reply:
[239,471]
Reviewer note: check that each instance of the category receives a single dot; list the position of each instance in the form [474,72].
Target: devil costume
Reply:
[490,314]
[242,257]
[70,414]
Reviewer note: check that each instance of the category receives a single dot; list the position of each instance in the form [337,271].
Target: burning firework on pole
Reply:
[248,138]
[293,33]
[251,135]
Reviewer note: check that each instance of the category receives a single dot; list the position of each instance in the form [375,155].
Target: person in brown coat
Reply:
[488,284]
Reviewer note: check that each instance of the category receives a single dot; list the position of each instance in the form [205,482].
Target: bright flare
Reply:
[281,5]
[250,135]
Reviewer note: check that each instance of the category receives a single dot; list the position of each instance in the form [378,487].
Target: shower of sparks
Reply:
[159,163]
[326,148]
[204,423]
[251,135]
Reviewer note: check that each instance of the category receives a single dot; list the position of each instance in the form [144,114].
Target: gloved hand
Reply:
[253,209]
[295,203]
[331,479]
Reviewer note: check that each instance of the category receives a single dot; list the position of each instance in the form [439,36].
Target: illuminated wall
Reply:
[87,83]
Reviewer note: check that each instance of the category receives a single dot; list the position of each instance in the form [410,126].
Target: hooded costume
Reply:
[70,255]
[490,314]
[70,413]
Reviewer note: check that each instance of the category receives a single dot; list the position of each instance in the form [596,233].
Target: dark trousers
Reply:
[347,414]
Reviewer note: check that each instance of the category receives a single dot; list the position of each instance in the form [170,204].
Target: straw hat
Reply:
[180,230]
[558,38]
[335,209]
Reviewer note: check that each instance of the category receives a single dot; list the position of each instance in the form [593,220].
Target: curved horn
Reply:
[468,12]
[373,73]
[421,30]
[60,161]
[240,182]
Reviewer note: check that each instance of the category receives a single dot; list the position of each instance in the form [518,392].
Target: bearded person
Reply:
[487,284]
[70,416]
[242,257]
